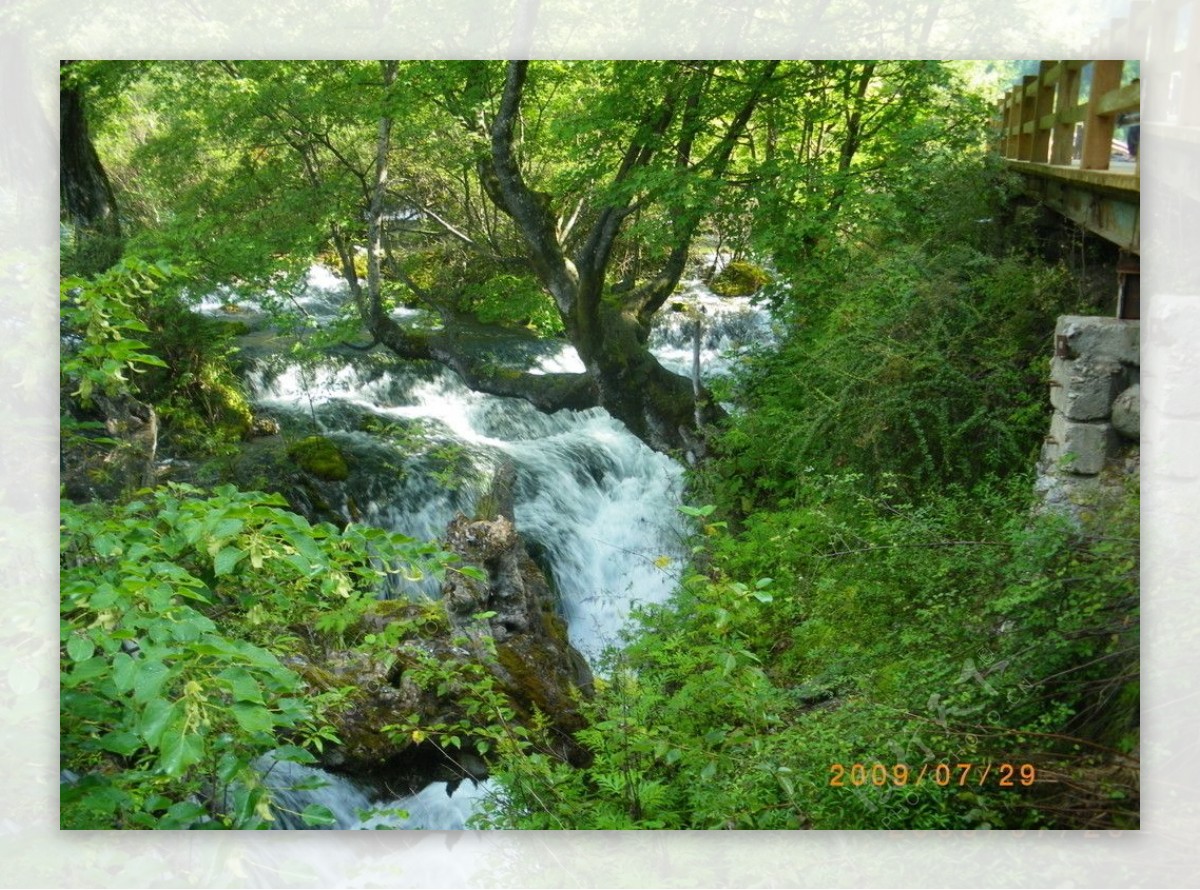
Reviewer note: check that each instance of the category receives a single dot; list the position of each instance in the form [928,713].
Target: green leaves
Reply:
[252,718]
[201,691]
[155,718]
[180,750]
[317,815]
[80,648]
[226,559]
[99,314]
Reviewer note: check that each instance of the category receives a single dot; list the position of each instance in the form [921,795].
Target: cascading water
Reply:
[729,327]
[595,503]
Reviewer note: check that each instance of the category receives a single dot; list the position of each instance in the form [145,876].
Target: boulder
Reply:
[1127,413]
[1080,448]
[319,457]
[1084,388]
[264,426]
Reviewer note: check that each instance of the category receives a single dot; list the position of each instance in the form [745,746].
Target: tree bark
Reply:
[87,196]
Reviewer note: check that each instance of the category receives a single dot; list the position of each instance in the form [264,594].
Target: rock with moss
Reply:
[739,279]
[320,457]
[535,663]
[496,628]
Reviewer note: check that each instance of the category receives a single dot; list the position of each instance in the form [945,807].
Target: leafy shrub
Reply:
[957,630]
[200,393]
[98,316]
[928,366]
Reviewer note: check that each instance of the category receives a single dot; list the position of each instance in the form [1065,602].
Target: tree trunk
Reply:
[88,202]
[658,406]
[608,327]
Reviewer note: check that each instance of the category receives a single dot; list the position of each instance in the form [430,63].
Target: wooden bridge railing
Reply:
[1038,120]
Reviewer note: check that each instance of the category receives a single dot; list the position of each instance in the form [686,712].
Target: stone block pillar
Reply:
[1096,364]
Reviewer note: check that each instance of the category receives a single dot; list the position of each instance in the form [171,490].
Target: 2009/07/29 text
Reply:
[1001,775]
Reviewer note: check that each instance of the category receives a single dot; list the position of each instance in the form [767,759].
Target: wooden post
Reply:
[1098,128]
[1043,106]
[999,144]
[1064,130]
[1013,120]
[1028,105]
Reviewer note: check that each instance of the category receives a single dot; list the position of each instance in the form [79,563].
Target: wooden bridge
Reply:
[1072,132]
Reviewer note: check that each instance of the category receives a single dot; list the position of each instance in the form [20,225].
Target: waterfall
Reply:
[596,505]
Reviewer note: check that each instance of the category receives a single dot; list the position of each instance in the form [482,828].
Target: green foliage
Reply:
[200,394]
[879,632]
[181,362]
[98,317]
[456,467]
[487,722]
[86,253]
[926,363]
[870,584]
[178,611]
[514,300]
[739,279]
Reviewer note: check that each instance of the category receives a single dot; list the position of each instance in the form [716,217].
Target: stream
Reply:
[596,507]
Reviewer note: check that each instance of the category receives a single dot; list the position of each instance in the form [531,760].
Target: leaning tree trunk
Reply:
[658,406]
[87,197]
[611,331]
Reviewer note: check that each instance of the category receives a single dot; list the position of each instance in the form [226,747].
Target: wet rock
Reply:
[264,426]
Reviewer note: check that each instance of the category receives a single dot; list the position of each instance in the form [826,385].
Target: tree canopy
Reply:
[568,191]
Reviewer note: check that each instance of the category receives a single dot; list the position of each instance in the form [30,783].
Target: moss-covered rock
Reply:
[495,632]
[739,279]
[320,457]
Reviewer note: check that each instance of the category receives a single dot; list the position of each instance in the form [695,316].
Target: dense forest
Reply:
[574,445]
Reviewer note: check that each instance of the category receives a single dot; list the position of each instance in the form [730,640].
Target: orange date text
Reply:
[946,774]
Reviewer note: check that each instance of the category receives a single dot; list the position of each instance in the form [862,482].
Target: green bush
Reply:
[200,393]
[877,631]
[514,300]
[927,365]
[100,314]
